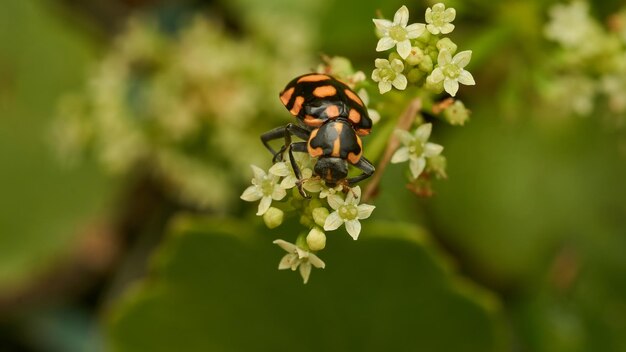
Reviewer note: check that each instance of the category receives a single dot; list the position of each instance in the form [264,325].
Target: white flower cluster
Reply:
[422,57]
[591,61]
[328,209]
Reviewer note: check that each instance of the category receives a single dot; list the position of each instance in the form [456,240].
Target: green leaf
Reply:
[215,287]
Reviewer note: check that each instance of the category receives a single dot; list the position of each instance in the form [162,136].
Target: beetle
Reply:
[330,117]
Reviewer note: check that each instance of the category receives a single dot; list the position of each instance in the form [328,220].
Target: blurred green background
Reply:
[522,248]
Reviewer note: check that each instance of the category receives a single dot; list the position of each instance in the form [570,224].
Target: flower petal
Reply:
[432,149]
[381,63]
[444,58]
[334,200]
[264,205]
[422,133]
[252,194]
[401,155]
[280,169]
[397,65]
[447,28]
[353,196]
[382,24]
[433,29]
[451,86]
[289,182]
[405,137]
[278,193]
[365,210]
[400,82]
[313,185]
[354,228]
[288,261]
[289,247]
[258,172]
[462,59]
[316,261]
[429,15]
[333,221]
[437,75]
[466,78]
[305,271]
[385,43]
[449,14]
[384,87]
[417,166]
[401,16]
[415,30]
[404,48]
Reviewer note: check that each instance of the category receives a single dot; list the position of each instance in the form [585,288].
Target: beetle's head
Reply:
[331,170]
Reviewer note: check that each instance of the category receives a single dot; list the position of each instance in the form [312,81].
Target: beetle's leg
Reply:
[365,166]
[298,147]
[283,132]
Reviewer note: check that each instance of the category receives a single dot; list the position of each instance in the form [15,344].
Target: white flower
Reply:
[306,164]
[348,212]
[298,257]
[416,149]
[439,18]
[389,73]
[570,24]
[451,70]
[264,187]
[397,33]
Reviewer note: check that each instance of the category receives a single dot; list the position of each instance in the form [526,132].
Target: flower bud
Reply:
[316,239]
[437,164]
[415,75]
[456,114]
[426,64]
[273,217]
[446,44]
[319,215]
[415,56]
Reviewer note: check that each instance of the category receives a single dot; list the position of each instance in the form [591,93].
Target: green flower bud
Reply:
[446,44]
[426,64]
[415,75]
[316,239]
[424,38]
[415,56]
[437,164]
[456,114]
[273,217]
[320,215]
[435,87]
[301,242]
[394,55]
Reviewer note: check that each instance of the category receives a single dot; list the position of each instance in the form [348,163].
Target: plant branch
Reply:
[404,123]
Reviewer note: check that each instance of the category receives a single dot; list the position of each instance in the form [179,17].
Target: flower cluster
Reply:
[426,60]
[169,105]
[590,61]
[422,57]
[327,210]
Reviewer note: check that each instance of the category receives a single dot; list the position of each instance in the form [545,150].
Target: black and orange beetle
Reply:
[330,118]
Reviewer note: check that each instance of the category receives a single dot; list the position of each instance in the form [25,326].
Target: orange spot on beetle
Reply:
[332,111]
[314,152]
[354,97]
[354,158]
[354,116]
[313,78]
[363,131]
[286,95]
[312,121]
[324,91]
[297,106]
